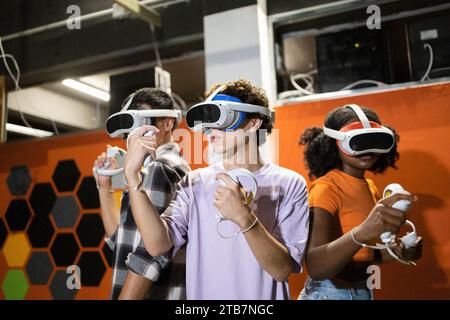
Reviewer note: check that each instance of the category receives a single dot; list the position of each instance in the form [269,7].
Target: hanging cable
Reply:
[440,69]
[19,90]
[307,78]
[365,81]
[176,98]
[155,45]
[426,76]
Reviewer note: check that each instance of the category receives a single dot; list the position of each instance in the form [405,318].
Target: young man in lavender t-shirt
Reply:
[274,226]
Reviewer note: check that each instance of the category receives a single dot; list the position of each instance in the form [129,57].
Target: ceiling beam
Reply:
[141,11]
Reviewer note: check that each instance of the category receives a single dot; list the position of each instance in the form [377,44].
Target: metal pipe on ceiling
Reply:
[153,4]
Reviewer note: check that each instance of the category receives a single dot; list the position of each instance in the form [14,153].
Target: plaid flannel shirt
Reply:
[168,168]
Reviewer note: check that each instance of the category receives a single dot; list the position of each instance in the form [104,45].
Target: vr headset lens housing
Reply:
[119,122]
[377,141]
[221,111]
[126,121]
[206,113]
[363,136]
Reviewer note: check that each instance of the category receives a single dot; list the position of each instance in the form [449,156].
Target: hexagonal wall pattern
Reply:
[18,214]
[39,268]
[65,212]
[90,230]
[3,232]
[58,287]
[16,249]
[42,198]
[92,268]
[88,194]
[18,180]
[66,175]
[40,231]
[15,285]
[64,249]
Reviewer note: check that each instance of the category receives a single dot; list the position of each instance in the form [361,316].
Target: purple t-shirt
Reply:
[218,268]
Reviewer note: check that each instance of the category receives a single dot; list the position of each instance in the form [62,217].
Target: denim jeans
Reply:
[330,290]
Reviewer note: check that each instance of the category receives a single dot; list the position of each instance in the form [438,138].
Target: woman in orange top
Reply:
[344,204]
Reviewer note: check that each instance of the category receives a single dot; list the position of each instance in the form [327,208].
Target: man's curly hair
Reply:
[245,91]
[321,152]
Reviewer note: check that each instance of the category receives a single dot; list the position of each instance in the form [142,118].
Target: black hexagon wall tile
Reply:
[64,249]
[92,268]
[90,230]
[3,232]
[40,231]
[66,175]
[18,214]
[42,198]
[88,194]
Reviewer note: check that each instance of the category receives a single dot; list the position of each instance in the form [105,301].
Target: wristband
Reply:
[137,187]
[251,226]
[356,241]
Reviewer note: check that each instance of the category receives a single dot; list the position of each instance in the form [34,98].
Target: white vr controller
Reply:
[389,239]
[119,155]
[247,180]
[112,152]
[116,174]
[235,174]
[410,238]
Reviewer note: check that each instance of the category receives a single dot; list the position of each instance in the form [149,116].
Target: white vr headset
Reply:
[126,121]
[363,136]
[221,111]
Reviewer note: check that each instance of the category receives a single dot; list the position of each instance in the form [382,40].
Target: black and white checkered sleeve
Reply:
[161,186]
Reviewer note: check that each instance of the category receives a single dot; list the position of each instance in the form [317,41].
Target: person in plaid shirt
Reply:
[136,274]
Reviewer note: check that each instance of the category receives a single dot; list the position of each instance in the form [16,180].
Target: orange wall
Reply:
[41,156]
[421,115]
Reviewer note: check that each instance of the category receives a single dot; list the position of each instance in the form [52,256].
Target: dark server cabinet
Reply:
[349,56]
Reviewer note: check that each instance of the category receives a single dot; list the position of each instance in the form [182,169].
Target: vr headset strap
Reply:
[212,95]
[128,104]
[360,114]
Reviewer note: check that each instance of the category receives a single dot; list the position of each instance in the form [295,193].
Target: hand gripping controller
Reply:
[149,133]
[410,238]
[247,180]
[112,152]
[235,174]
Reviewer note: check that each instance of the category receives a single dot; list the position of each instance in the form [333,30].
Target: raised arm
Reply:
[109,209]
[153,229]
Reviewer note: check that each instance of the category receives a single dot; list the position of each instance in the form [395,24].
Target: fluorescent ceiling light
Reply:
[94,92]
[28,131]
